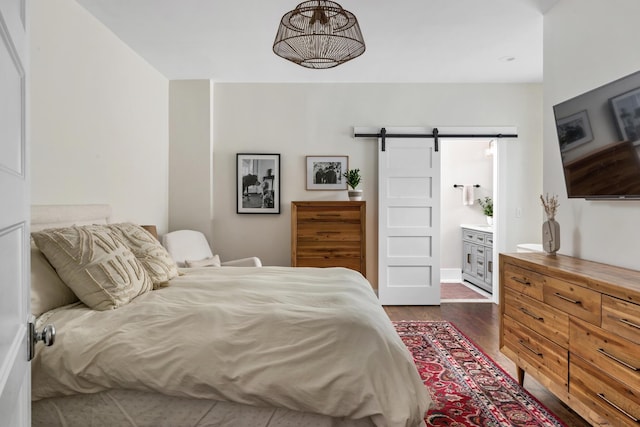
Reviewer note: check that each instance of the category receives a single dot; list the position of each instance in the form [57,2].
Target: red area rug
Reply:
[467,387]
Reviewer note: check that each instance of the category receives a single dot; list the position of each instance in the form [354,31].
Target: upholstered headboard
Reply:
[50,216]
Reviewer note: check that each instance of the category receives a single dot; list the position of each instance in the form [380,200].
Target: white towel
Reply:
[468,195]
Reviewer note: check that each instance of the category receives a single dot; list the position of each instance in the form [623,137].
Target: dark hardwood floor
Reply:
[480,323]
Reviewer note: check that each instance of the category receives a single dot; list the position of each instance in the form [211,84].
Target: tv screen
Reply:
[599,139]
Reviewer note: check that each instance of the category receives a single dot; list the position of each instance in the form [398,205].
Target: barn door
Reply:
[409,221]
[15,379]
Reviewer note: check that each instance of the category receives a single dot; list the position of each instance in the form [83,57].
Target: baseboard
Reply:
[450,275]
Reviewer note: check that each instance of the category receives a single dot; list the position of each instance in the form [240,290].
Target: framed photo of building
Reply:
[258,183]
[325,172]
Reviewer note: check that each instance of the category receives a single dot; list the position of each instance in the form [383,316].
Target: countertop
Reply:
[478,227]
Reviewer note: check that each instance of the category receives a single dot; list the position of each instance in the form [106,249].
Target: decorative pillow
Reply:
[152,255]
[48,291]
[95,264]
[213,261]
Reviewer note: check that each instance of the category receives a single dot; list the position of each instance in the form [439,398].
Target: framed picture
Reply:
[626,110]
[258,183]
[325,172]
[574,130]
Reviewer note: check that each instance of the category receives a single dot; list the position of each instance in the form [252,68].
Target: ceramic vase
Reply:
[551,236]
[489,220]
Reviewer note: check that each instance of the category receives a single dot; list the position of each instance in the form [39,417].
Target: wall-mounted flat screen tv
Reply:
[599,139]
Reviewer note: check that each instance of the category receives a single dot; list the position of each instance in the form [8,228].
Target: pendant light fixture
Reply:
[319,34]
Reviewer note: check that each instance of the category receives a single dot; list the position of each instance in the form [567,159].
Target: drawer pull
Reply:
[622,362]
[572,301]
[634,419]
[626,322]
[468,258]
[521,281]
[531,349]
[490,266]
[530,314]
[327,232]
[327,214]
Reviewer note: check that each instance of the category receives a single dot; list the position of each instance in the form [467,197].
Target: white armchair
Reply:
[190,248]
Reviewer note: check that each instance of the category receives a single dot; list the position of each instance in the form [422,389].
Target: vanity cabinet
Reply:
[574,326]
[477,257]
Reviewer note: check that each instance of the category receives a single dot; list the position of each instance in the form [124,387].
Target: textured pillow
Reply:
[48,291]
[152,255]
[213,261]
[95,264]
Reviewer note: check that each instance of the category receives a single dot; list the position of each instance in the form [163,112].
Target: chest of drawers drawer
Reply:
[541,318]
[573,299]
[617,356]
[618,402]
[524,281]
[621,317]
[547,357]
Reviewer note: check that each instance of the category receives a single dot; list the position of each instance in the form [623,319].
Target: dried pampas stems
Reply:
[550,205]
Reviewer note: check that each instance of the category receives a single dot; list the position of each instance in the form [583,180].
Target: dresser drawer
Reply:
[615,355]
[524,281]
[615,401]
[545,356]
[313,249]
[621,317]
[575,300]
[329,213]
[329,231]
[543,319]
[352,263]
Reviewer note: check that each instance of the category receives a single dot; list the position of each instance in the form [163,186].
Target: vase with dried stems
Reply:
[550,228]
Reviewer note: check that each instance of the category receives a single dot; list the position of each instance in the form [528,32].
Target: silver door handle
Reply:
[47,335]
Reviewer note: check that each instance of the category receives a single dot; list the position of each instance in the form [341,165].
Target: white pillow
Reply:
[48,291]
[148,250]
[213,261]
[95,264]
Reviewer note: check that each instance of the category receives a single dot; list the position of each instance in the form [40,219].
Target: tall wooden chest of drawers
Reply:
[329,234]
[574,325]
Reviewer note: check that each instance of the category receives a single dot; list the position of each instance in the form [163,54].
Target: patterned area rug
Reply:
[467,387]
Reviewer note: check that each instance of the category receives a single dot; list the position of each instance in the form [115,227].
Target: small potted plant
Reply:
[353,178]
[487,208]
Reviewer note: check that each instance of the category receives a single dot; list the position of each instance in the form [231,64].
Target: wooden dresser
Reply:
[329,234]
[574,325]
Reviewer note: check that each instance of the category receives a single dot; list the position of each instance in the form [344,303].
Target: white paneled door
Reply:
[15,380]
[409,221]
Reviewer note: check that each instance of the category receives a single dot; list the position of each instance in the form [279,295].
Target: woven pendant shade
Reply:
[319,34]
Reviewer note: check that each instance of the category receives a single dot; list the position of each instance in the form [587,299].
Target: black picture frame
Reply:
[257,183]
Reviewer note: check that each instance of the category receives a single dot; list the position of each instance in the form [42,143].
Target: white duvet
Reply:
[311,340]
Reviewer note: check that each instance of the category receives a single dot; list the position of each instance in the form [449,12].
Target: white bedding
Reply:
[309,340]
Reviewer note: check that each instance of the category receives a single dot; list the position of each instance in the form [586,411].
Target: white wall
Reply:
[99,116]
[297,120]
[191,156]
[588,43]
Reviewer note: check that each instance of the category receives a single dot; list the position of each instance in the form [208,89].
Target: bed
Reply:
[228,346]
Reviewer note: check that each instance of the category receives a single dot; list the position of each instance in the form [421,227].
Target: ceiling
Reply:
[406,40]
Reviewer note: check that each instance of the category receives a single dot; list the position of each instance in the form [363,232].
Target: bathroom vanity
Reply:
[477,255]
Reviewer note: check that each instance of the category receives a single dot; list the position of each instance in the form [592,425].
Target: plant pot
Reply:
[355,195]
[489,220]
